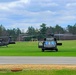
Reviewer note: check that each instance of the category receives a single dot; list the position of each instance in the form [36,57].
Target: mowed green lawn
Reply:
[41,72]
[31,49]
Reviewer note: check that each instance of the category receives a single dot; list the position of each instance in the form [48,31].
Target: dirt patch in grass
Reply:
[36,67]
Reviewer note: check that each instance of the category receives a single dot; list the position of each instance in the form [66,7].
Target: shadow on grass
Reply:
[60,51]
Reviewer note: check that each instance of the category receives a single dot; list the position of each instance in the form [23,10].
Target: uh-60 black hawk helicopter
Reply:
[6,40]
[49,43]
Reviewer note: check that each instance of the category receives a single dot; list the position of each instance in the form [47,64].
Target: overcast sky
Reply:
[24,13]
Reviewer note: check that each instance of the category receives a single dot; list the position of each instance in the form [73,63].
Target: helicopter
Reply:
[49,43]
[6,40]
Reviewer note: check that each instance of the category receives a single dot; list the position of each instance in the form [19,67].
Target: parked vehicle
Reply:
[49,44]
[5,41]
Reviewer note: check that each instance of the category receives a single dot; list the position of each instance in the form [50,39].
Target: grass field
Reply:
[41,72]
[31,49]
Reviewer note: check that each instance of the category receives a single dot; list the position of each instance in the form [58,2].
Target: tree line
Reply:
[42,32]
[9,32]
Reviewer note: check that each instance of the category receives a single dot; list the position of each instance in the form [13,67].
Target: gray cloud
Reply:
[24,13]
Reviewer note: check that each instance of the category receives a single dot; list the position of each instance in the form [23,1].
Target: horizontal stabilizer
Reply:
[59,44]
[12,42]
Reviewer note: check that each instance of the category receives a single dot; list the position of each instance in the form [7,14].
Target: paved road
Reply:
[37,60]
